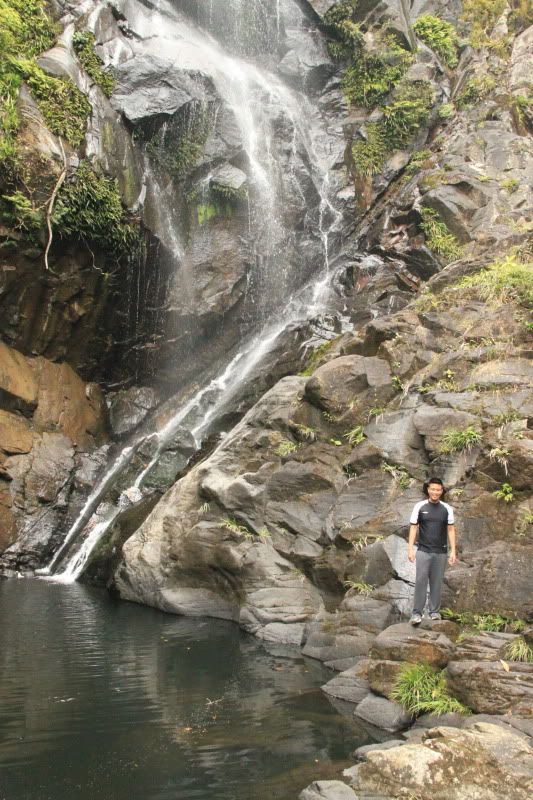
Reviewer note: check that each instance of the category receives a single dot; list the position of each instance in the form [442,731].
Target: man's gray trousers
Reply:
[429,568]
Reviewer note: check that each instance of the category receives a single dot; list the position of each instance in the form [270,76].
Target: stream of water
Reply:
[103,699]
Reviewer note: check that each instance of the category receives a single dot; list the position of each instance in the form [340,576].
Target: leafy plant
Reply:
[505,493]
[510,184]
[439,35]
[89,207]
[232,525]
[286,448]
[400,475]
[21,213]
[84,47]
[305,432]
[372,76]
[456,441]
[507,280]
[369,154]
[519,650]
[438,237]
[360,587]
[397,383]
[419,689]
[501,456]
[355,436]
[263,533]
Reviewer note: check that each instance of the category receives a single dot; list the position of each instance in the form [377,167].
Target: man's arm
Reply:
[411,555]
[451,540]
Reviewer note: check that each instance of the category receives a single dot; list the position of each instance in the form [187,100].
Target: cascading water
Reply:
[260,103]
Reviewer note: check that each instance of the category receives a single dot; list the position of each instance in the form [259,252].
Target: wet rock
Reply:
[336,384]
[383,714]
[306,62]
[485,761]
[351,685]
[128,408]
[493,687]
[399,440]
[327,790]
[402,642]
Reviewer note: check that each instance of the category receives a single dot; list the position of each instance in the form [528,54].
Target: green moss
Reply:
[206,212]
[369,154]
[317,355]
[65,109]
[89,208]
[422,690]
[440,36]
[25,31]
[179,144]
[84,47]
[438,237]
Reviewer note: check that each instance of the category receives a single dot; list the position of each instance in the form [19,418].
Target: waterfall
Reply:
[259,102]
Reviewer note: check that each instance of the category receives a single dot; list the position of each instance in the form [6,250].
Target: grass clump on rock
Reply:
[440,36]
[458,441]
[84,47]
[419,689]
[492,623]
[503,281]
[438,236]
[519,650]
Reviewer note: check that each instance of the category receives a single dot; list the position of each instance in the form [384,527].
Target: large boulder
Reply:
[341,382]
[383,713]
[402,642]
[350,685]
[493,687]
[485,762]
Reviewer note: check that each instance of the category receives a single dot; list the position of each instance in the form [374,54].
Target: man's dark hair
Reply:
[433,480]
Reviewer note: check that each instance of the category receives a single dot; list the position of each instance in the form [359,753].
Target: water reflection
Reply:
[101,699]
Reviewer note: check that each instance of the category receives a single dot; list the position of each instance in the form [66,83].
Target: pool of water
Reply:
[106,700]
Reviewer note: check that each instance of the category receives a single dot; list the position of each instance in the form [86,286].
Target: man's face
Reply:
[435,491]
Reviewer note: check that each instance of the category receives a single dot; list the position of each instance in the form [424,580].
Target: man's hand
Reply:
[452,558]
[411,555]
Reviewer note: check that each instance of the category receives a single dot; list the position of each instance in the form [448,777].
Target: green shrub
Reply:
[89,207]
[456,441]
[84,47]
[286,448]
[180,143]
[508,280]
[440,36]
[519,650]
[419,689]
[438,237]
[339,22]
[372,76]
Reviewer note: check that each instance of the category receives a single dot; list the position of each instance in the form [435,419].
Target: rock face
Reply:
[53,416]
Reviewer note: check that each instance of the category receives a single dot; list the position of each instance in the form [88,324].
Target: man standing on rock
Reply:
[434,522]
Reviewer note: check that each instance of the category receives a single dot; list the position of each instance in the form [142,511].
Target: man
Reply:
[434,522]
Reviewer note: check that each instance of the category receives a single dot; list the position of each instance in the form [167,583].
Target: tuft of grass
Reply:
[286,448]
[316,356]
[457,441]
[491,623]
[505,493]
[519,650]
[503,281]
[305,432]
[510,184]
[419,689]
[475,89]
[481,16]
[355,436]
[438,237]
[360,587]
[232,525]
[400,475]
[440,36]
[83,43]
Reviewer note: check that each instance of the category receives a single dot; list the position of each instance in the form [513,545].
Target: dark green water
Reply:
[103,700]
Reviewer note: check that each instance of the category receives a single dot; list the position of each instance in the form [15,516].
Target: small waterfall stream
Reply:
[258,101]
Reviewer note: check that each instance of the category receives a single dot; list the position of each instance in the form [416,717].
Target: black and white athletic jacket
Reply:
[432,520]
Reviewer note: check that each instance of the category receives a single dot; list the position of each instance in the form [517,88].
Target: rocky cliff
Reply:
[414,184]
